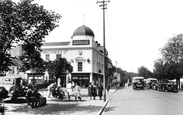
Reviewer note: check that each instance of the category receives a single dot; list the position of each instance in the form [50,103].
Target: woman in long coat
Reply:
[90,89]
[100,90]
[94,91]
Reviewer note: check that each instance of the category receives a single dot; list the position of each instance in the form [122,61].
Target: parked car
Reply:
[168,86]
[13,84]
[171,87]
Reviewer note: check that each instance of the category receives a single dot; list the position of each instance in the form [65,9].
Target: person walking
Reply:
[108,88]
[77,90]
[50,88]
[90,89]
[69,89]
[100,90]
[94,91]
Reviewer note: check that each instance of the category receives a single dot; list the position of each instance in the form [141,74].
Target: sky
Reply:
[135,29]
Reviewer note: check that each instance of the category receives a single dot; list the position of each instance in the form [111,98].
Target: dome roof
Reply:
[83,30]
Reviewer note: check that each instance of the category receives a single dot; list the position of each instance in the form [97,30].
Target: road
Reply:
[127,101]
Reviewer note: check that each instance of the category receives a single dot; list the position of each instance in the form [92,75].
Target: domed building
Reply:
[84,53]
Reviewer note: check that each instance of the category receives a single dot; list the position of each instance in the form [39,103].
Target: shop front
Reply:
[82,79]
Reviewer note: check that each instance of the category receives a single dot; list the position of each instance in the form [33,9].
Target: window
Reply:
[47,57]
[58,56]
[80,66]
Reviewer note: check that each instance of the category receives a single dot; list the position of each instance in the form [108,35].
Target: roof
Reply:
[83,30]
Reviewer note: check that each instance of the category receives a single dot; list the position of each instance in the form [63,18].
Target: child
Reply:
[77,90]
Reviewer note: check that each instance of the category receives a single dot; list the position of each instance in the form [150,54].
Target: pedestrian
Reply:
[77,90]
[90,88]
[40,100]
[50,88]
[34,97]
[69,89]
[108,88]
[94,91]
[29,94]
[100,90]
[73,84]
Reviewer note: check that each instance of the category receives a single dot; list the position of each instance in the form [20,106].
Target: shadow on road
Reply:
[109,109]
[15,101]
[55,108]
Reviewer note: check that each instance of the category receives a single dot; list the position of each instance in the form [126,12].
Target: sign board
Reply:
[81,42]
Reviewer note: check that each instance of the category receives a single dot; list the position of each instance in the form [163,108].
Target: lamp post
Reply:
[103,4]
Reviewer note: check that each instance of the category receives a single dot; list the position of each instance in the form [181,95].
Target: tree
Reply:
[160,70]
[172,54]
[59,67]
[23,22]
[130,75]
[144,72]
[122,74]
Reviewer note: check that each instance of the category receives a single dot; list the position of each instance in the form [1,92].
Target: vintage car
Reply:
[168,86]
[138,83]
[151,83]
[171,87]
[14,86]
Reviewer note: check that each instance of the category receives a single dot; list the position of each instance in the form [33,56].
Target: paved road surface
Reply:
[144,102]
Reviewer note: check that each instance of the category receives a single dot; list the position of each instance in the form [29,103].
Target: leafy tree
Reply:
[58,67]
[160,70]
[172,55]
[144,72]
[129,75]
[122,74]
[23,22]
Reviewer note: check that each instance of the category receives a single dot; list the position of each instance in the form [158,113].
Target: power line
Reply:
[111,35]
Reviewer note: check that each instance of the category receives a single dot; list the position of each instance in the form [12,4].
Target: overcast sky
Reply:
[135,29]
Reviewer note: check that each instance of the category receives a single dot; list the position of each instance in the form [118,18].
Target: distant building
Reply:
[83,52]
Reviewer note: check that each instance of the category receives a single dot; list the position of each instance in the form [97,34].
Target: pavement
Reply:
[61,107]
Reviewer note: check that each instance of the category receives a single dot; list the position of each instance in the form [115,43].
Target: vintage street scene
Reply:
[91,57]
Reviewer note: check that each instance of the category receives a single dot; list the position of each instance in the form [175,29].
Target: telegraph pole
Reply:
[103,4]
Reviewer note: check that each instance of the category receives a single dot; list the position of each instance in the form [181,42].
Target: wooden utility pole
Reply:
[103,4]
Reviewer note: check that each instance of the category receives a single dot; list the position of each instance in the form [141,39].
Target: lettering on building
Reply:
[54,51]
[81,42]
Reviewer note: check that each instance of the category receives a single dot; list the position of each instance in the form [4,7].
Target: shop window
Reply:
[47,57]
[80,66]
[58,56]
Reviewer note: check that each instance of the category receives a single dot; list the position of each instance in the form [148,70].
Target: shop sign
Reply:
[54,51]
[81,42]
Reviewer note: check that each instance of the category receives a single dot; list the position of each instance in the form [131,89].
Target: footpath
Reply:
[61,107]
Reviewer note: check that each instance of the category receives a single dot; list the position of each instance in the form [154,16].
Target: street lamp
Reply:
[103,4]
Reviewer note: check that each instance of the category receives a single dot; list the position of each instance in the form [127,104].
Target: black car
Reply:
[169,87]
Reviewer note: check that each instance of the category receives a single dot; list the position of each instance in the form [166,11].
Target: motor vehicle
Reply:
[13,84]
[161,86]
[171,87]
[167,86]
[151,83]
[138,82]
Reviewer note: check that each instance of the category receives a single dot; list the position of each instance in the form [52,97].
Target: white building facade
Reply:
[83,52]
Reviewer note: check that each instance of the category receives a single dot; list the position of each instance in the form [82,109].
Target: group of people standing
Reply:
[95,90]
[73,89]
